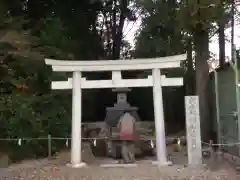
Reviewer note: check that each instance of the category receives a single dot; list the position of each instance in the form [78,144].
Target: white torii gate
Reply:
[77,83]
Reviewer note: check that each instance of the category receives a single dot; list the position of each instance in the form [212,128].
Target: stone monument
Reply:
[194,145]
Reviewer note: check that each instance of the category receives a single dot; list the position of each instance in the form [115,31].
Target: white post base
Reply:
[168,163]
[80,165]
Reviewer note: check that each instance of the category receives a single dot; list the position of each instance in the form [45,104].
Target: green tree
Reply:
[33,30]
[28,107]
[160,30]
[172,27]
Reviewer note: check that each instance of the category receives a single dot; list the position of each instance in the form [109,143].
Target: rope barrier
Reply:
[45,138]
[20,140]
[224,144]
[83,138]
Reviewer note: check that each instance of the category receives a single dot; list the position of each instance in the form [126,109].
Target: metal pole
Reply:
[237,92]
[217,107]
[232,30]
[235,67]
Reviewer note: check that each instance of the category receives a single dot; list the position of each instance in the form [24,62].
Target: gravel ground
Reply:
[55,170]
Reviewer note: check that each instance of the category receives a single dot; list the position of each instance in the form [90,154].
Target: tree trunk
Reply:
[221,38]
[117,37]
[114,29]
[190,71]
[201,42]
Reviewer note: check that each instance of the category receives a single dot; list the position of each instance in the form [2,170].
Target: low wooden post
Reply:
[211,150]
[49,146]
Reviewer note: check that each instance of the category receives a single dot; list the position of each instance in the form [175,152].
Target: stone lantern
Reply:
[114,113]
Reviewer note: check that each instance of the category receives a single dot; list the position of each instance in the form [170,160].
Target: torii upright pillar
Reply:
[76,159]
[159,118]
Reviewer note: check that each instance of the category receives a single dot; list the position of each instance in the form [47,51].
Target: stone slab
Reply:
[80,165]
[168,163]
[117,165]
[4,160]
[193,131]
